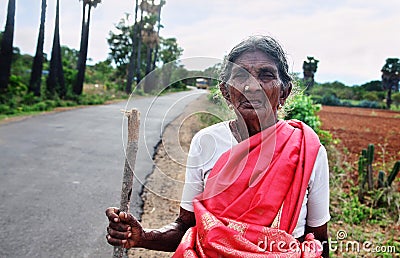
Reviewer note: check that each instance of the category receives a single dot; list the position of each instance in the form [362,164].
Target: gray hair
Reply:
[267,45]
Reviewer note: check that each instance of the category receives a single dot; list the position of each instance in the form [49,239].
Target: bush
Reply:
[302,107]
[40,106]
[371,96]
[330,100]
[369,104]
[346,103]
[5,109]
[85,99]
[396,98]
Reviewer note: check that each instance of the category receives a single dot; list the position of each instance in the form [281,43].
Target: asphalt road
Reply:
[60,171]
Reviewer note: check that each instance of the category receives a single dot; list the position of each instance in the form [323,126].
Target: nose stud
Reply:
[246,88]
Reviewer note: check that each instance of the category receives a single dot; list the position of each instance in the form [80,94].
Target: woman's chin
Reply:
[261,113]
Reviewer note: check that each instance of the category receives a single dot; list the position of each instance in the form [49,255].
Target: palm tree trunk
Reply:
[37,65]
[389,98]
[6,49]
[147,81]
[83,23]
[55,81]
[139,50]
[158,36]
[131,68]
[84,3]
[81,66]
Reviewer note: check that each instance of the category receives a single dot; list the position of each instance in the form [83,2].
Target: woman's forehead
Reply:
[255,58]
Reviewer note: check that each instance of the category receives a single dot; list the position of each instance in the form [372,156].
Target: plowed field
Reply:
[357,127]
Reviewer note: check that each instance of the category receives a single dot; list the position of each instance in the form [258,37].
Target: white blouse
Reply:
[211,142]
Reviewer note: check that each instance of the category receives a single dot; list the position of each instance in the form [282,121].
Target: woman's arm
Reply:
[318,201]
[125,230]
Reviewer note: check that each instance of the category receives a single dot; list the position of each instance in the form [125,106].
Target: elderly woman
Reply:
[255,186]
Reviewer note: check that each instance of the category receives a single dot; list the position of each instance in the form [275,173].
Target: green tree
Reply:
[21,65]
[81,65]
[69,59]
[121,50]
[169,54]
[6,48]
[390,78]
[55,80]
[120,44]
[101,73]
[37,65]
[372,86]
[371,96]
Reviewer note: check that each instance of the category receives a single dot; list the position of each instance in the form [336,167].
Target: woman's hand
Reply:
[123,229]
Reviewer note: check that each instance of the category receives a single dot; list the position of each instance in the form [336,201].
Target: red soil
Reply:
[357,127]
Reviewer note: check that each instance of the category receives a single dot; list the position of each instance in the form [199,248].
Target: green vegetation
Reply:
[364,214]
[338,94]
[302,107]
[379,193]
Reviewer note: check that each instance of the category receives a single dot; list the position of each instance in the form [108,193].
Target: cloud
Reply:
[350,40]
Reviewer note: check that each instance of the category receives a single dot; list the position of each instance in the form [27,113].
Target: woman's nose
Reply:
[251,87]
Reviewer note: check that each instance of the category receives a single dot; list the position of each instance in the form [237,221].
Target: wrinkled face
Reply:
[254,86]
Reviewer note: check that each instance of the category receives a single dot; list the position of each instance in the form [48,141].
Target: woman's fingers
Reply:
[123,228]
[129,219]
[115,241]
[119,226]
[118,234]
[112,214]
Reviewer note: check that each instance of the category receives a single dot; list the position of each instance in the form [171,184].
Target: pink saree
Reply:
[253,196]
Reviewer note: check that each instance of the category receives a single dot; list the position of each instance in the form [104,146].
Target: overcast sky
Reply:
[352,39]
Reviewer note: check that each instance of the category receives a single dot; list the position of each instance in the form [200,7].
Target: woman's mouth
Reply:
[252,104]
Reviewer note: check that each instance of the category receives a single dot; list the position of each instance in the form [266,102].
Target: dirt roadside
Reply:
[163,189]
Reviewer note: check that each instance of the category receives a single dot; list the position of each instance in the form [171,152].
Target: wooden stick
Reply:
[130,159]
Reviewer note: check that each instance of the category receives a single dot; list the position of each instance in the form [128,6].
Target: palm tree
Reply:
[131,67]
[139,47]
[162,2]
[390,78]
[149,38]
[37,65]
[309,69]
[81,65]
[55,81]
[6,49]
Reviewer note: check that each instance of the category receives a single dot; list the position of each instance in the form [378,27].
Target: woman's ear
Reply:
[285,92]
[225,92]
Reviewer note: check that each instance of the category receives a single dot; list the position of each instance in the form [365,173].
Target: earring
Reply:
[279,106]
[246,88]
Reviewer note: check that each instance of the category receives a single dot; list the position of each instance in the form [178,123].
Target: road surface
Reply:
[59,171]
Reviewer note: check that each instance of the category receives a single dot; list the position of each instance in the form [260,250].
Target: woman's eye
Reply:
[266,76]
